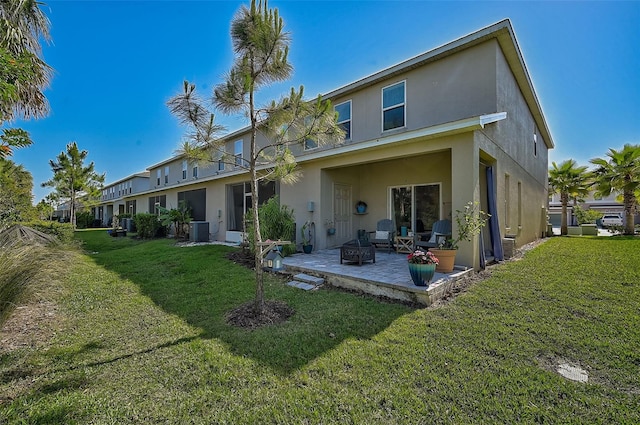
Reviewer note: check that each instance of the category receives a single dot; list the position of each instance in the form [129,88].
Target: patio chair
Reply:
[384,234]
[440,231]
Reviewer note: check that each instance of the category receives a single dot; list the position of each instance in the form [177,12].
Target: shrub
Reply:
[63,231]
[84,219]
[179,217]
[587,216]
[148,225]
[276,222]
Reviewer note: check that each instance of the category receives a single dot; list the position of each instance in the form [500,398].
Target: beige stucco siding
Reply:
[459,86]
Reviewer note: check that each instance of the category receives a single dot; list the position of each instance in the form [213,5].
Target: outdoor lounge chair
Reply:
[383,235]
[440,231]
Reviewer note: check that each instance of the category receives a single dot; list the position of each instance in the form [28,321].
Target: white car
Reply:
[609,220]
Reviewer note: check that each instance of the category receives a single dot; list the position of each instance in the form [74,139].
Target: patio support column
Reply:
[465,187]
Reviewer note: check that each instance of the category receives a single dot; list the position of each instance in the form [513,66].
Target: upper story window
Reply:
[220,165]
[535,144]
[309,143]
[237,152]
[166,174]
[393,106]
[158,175]
[184,169]
[195,170]
[344,118]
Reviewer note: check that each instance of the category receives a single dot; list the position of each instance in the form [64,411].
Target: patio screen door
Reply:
[416,207]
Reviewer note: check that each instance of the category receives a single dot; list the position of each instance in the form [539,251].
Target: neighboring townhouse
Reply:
[459,123]
[605,205]
[117,199]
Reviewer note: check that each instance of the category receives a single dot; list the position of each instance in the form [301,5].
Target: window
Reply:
[416,207]
[196,201]
[535,144]
[158,174]
[310,144]
[344,118]
[393,111]
[155,202]
[237,152]
[184,169]
[239,201]
[194,173]
[166,174]
[131,207]
[507,202]
[519,204]
[220,165]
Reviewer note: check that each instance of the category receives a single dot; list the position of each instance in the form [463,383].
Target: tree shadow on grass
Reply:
[201,286]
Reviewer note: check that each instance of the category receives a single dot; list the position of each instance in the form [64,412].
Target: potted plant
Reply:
[305,233]
[470,221]
[361,207]
[422,266]
[331,229]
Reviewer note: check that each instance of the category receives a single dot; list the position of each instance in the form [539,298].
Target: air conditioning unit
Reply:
[199,231]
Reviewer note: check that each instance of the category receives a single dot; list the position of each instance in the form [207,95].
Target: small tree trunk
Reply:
[629,203]
[563,220]
[257,237]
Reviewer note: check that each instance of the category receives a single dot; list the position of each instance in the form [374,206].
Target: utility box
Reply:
[509,247]
[199,231]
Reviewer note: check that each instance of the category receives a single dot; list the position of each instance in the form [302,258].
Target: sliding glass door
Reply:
[415,207]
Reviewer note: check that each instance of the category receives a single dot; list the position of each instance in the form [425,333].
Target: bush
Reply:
[588,216]
[62,231]
[276,222]
[148,225]
[84,219]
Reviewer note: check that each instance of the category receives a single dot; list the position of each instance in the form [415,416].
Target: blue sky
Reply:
[117,62]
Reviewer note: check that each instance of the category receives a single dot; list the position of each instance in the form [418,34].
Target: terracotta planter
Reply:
[447,258]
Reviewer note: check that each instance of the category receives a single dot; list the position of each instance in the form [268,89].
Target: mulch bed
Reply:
[243,257]
[248,317]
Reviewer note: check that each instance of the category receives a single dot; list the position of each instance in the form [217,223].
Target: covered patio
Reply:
[387,277]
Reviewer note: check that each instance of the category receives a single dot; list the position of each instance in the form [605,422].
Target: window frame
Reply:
[340,123]
[184,169]
[403,104]
[238,153]
[166,174]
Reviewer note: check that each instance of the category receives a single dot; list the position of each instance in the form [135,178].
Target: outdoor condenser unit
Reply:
[199,231]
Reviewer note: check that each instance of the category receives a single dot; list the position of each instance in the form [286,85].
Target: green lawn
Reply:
[143,339]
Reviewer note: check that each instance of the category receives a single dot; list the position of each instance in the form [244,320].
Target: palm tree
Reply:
[620,174]
[71,178]
[261,48]
[23,73]
[570,181]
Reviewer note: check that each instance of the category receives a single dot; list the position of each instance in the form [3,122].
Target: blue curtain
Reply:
[494,227]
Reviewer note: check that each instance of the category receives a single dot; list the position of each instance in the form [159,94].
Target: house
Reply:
[459,123]
[604,205]
[116,197]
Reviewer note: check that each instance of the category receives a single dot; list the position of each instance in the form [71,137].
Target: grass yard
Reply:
[140,337]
